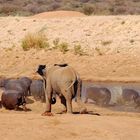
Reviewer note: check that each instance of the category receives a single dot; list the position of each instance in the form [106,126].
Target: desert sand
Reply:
[112,45]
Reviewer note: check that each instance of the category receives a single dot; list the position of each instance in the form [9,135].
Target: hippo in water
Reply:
[37,90]
[137,102]
[129,95]
[26,82]
[12,99]
[21,84]
[3,82]
[100,95]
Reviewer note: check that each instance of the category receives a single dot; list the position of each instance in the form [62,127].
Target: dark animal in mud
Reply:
[12,99]
[26,82]
[21,84]
[65,82]
[37,90]
[3,82]
[129,95]
[137,102]
[100,95]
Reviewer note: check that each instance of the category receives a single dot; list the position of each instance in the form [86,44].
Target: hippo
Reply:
[15,85]
[21,84]
[137,102]
[26,82]
[37,90]
[129,95]
[100,95]
[3,82]
[12,99]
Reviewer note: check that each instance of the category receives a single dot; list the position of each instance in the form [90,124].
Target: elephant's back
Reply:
[63,73]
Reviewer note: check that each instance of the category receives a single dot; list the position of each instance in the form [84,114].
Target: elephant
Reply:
[129,94]
[37,90]
[65,82]
[100,95]
[12,99]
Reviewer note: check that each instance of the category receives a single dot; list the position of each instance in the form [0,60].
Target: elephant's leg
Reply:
[69,105]
[63,101]
[48,96]
[68,96]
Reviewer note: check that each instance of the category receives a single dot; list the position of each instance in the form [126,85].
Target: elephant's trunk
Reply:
[0,104]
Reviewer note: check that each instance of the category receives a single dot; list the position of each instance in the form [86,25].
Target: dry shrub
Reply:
[88,9]
[98,50]
[34,40]
[8,8]
[84,1]
[54,6]
[63,47]
[56,43]
[104,43]
[78,50]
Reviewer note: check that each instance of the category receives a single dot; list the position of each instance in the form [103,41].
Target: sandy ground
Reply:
[109,125]
[59,14]
[112,44]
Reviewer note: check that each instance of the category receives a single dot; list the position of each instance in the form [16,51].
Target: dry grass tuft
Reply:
[34,40]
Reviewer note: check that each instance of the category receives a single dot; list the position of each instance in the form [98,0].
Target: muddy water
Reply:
[115,88]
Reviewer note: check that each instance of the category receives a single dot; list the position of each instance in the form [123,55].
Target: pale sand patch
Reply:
[58,14]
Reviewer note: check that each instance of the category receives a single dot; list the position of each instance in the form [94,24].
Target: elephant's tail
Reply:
[75,78]
[53,100]
[0,104]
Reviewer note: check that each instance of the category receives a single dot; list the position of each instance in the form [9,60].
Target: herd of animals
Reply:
[59,80]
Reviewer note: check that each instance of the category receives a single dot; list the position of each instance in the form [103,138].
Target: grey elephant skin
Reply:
[37,90]
[101,96]
[12,99]
[65,82]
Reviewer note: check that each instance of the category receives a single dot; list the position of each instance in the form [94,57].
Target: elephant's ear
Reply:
[41,70]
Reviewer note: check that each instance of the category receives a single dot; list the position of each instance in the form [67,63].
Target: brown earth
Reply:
[58,14]
[112,45]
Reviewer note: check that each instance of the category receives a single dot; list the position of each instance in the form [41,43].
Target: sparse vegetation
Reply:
[34,40]
[104,43]
[132,41]
[88,9]
[98,7]
[78,50]
[63,47]
[56,43]
[98,50]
